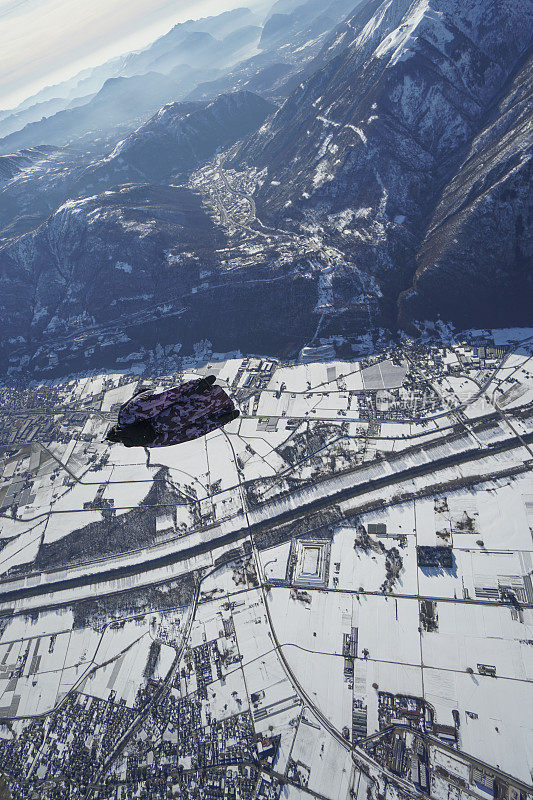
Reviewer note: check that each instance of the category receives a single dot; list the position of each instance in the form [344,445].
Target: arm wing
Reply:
[150,404]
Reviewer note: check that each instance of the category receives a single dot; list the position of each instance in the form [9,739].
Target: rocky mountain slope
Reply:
[292,36]
[35,182]
[98,256]
[112,253]
[11,165]
[180,137]
[11,122]
[140,267]
[364,149]
[304,22]
[133,86]
[201,58]
[479,243]
[90,80]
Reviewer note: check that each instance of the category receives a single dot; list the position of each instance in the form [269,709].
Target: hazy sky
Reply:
[43,42]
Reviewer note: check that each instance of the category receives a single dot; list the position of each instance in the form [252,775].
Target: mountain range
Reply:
[363,169]
[420,110]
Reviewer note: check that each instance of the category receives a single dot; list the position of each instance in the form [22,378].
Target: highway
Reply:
[272,514]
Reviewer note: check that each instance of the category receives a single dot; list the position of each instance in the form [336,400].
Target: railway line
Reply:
[272,515]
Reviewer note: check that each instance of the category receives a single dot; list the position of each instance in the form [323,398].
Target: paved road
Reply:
[145,710]
[282,513]
[438,743]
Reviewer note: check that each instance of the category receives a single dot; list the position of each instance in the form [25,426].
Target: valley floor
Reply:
[331,597]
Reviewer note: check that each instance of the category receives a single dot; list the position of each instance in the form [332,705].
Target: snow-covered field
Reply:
[298,659]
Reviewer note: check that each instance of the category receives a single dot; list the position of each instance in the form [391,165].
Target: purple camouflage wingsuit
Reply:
[180,413]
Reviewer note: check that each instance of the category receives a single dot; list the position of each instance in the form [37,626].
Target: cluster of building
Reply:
[31,415]
[70,744]
[407,727]
[413,746]
[406,755]
[189,735]
[253,373]
[414,712]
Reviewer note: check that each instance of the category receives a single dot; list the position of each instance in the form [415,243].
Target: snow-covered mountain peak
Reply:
[396,45]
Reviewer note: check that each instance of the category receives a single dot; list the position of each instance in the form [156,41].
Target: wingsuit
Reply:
[173,416]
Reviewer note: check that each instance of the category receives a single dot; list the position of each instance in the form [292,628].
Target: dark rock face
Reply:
[479,243]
